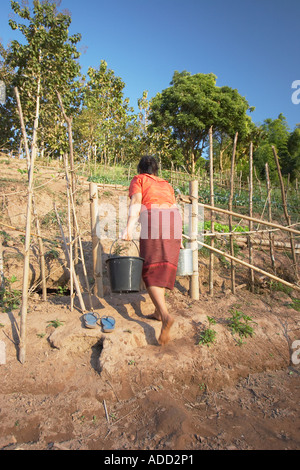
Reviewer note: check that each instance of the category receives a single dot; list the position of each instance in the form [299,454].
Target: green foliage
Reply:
[10,298]
[208,335]
[191,105]
[240,324]
[295,304]
[47,56]
[277,133]
[55,323]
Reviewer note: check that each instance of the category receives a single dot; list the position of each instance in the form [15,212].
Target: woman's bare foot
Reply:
[164,337]
[154,316]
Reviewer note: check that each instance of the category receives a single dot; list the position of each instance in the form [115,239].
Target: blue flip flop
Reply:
[108,324]
[90,319]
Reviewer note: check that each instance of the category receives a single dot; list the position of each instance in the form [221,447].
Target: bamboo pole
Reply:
[96,245]
[67,255]
[70,240]
[23,325]
[2,279]
[242,216]
[69,121]
[193,230]
[212,241]
[80,241]
[271,234]
[288,219]
[251,272]
[37,223]
[187,200]
[256,241]
[230,216]
[244,263]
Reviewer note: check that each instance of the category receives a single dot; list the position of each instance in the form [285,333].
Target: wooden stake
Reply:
[251,272]
[212,241]
[2,279]
[96,245]
[22,348]
[271,234]
[288,219]
[194,279]
[69,121]
[244,263]
[80,241]
[230,216]
[242,216]
[37,223]
[70,239]
[67,255]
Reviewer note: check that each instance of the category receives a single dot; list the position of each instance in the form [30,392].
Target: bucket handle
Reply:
[117,239]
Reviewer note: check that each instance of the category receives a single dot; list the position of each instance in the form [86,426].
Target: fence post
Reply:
[96,245]
[193,229]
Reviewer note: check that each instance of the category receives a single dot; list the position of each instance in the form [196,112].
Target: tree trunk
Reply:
[22,349]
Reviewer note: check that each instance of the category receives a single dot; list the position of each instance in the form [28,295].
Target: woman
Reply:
[152,200]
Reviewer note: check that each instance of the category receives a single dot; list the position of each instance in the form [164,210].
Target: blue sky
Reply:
[250,45]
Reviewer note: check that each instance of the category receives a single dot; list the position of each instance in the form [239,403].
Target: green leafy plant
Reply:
[55,323]
[118,249]
[241,324]
[295,304]
[10,298]
[61,290]
[208,336]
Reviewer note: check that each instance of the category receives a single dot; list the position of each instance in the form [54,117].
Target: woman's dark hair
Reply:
[148,164]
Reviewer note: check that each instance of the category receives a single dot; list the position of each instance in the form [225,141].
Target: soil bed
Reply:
[83,389]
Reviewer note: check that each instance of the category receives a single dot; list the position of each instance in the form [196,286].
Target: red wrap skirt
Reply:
[160,241]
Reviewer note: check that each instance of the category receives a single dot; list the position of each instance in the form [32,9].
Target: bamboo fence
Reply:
[176,176]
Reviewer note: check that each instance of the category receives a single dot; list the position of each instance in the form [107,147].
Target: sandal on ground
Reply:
[90,319]
[108,324]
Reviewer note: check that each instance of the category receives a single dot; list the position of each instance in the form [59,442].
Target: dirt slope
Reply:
[84,389]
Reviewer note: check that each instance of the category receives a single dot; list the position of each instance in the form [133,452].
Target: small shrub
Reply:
[240,324]
[208,336]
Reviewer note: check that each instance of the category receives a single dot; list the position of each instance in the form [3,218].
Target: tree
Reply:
[294,152]
[191,105]
[7,110]
[104,116]
[274,132]
[48,61]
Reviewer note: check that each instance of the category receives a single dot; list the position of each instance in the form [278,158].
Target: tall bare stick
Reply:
[67,255]
[96,245]
[70,239]
[271,234]
[251,272]
[244,263]
[37,223]
[288,219]
[79,238]
[69,121]
[2,279]
[212,241]
[230,209]
[194,279]
[22,348]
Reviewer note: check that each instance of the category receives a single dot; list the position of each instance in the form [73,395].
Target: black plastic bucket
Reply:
[124,272]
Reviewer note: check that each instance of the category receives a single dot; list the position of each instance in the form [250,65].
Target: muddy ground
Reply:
[82,389]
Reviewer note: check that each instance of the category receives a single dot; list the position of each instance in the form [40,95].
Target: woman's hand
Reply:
[134,212]
[126,235]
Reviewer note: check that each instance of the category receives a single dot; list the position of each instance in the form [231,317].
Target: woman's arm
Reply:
[134,213]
